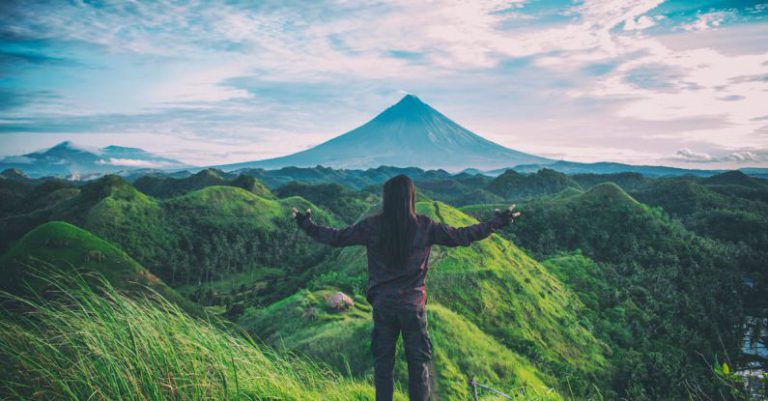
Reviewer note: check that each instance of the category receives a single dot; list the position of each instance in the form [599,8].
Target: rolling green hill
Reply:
[165,186]
[20,194]
[728,207]
[670,291]
[66,246]
[338,199]
[627,181]
[512,185]
[196,237]
[735,178]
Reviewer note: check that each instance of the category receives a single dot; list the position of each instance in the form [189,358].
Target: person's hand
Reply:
[301,217]
[508,215]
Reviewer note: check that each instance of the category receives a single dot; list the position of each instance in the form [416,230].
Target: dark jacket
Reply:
[400,286]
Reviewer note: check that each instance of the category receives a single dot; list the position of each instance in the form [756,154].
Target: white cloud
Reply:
[745,155]
[606,14]
[708,20]
[689,155]
[201,85]
[755,155]
[136,163]
[705,83]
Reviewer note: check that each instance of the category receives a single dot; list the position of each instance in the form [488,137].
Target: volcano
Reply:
[408,134]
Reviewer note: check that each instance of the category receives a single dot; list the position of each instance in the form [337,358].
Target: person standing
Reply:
[398,242]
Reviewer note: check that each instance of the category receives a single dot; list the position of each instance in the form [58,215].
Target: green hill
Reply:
[735,178]
[499,288]
[730,207]
[456,189]
[197,237]
[512,185]
[162,186]
[66,246]
[479,196]
[627,181]
[343,202]
[668,288]
[582,221]
[20,194]
[567,193]
[681,196]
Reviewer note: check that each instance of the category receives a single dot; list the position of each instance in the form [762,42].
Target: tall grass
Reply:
[91,342]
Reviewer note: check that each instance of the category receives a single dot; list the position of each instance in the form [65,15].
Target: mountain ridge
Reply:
[68,159]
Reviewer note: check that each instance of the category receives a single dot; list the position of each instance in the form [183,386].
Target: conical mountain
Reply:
[408,134]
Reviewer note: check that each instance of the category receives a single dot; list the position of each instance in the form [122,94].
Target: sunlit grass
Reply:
[86,342]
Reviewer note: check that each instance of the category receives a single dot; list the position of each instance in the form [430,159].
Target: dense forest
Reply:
[610,286]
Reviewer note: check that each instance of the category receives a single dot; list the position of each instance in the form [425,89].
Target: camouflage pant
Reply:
[388,323]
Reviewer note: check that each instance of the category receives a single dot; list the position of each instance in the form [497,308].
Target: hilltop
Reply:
[515,186]
[63,246]
[166,186]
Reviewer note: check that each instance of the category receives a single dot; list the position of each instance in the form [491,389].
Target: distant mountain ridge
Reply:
[569,167]
[71,160]
[409,133]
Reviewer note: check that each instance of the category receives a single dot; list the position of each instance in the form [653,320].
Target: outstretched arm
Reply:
[355,234]
[443,234]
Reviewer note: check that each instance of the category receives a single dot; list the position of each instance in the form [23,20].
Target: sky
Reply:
[679,83]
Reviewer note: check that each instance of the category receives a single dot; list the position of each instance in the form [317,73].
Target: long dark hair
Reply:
[398,220]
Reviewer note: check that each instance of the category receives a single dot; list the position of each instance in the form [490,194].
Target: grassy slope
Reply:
[513,298]
[581,221]
[338,199]
[62,244]
[663,290]
[303,323]
[508,299]
[512,185]
[106,346]
[222,227]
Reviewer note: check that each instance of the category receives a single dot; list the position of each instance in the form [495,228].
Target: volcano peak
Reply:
[410,100]
[409,107]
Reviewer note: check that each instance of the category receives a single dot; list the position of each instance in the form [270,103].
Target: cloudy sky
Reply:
[675,82]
